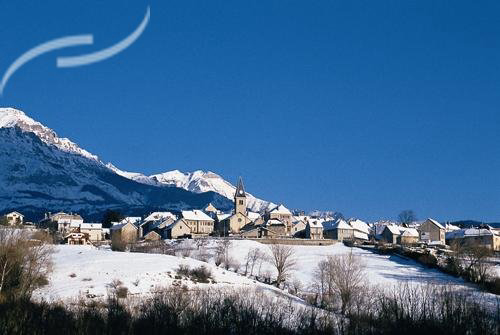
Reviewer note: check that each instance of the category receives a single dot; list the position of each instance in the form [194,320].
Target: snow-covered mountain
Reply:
[198,181]
[41,172]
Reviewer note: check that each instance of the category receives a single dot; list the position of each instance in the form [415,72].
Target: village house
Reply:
[483,237]
[298,227]
[200,224]
[93,230]
[152,236]
[211,211]
[123,234]
[314,230]
[409,236]
[282,214]
[277,227]
[390,234]
[61,221]
[361,231]
[177,229]
[14,218]
[432,231]
[338,230]
[257,231]
[76,237]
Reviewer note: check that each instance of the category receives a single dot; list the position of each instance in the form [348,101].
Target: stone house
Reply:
[338,230]
[76,237]
[390,234]
[277,227]
[488,238]
[14,218]
[177,229]
[123,234]
[199,223]
[298,226]
[93,230]
[152,236]
[314,230]
[432,231]
[234,223]
[282,214]
[409,236]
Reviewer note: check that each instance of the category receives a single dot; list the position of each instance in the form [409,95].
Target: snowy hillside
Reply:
[198,182]
[83,271]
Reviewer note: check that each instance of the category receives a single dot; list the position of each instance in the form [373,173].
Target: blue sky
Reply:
[367,107]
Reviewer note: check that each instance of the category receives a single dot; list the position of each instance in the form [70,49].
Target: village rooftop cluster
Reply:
[276,223]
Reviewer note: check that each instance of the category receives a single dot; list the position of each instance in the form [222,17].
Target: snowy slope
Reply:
[198,182]
[93,269]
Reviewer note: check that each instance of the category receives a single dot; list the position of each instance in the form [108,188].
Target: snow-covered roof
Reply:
[131,219]
[160,215]
[450,227]
[393,229]
[121,225]
[14,213]
[360,235]
[315,224]
[91,226]
[274,222]
[253,215]
[409,232]
[222,217]
[436,223]
[339,224]
[360,226]
[469,232]
[196,215]
[280,209]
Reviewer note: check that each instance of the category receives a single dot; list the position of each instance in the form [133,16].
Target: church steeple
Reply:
[240,190]
[240,199]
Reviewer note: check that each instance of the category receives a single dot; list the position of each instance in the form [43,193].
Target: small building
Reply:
[14,218]
[93,230]
[432,231]
[199,223]
[62,222]
[314,230]
[277,227]
[177,229]
[483,237]
[409,236]
[257,231]
[76,237]
[298,227]
[152,236]
[361,231]
[390,234]
[282,214]
[123,234]
[338,230]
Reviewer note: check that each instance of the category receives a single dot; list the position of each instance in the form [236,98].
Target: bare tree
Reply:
[283,259]
[222,252]
[253,256]
[340,276]
[477,263]
[406,217]
[24,263]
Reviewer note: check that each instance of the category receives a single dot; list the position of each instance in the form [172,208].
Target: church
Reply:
[239,218]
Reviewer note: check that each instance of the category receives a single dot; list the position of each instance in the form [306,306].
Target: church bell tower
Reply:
[240,199]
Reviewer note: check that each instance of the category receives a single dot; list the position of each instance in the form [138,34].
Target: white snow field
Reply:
[83,271]
[80,271]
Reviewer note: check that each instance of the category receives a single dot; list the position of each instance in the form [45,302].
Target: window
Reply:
[241,202]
